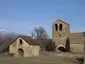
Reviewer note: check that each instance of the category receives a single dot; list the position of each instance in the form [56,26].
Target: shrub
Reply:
[67,45]
[50,46]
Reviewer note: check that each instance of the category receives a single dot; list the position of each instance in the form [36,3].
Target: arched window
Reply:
[56,26]
[60,27]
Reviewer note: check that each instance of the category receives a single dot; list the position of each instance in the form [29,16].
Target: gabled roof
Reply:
[61,21]
[30,40]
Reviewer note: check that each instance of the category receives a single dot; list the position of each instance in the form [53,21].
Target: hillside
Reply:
[5,34]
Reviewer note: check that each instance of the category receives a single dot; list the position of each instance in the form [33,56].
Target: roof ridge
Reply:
[61,21]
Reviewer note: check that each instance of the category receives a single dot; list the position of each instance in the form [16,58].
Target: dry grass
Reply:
[51,58]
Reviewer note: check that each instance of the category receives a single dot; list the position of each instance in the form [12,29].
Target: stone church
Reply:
[61,33]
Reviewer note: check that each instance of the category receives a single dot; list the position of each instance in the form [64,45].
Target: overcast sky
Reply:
[21,16]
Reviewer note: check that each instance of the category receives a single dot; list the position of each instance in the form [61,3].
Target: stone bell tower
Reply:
[60,31]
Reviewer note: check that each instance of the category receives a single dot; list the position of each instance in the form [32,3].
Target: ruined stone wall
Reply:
[77,42]
[78,48]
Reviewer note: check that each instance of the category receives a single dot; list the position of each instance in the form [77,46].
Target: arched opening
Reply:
[67,44]
[20,52]
[62,49]
[60,27]
[56,27]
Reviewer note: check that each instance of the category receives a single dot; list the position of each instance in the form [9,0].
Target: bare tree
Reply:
[39,33]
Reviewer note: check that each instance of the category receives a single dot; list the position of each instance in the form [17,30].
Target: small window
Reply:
[60,27]
[56,26]
[20,41]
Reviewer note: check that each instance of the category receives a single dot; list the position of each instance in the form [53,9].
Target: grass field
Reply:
[51,58]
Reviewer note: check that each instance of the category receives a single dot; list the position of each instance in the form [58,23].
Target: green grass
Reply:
[50,58]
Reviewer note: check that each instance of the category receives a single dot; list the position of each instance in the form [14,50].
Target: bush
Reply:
[50,46]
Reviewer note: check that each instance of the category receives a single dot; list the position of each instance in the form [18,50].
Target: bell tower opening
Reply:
[60,27]
[56,27]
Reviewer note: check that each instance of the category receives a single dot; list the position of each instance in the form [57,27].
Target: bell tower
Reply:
[60,31]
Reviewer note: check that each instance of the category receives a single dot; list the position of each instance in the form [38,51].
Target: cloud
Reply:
[2,30]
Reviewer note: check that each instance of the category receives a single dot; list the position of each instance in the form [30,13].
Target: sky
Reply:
[21,16]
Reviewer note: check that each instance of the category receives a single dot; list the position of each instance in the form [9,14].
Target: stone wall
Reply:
[78,48]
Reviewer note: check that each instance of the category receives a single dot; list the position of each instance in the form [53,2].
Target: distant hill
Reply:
[7,37]
[5,34]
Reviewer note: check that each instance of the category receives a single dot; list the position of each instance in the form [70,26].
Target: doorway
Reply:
[20,53]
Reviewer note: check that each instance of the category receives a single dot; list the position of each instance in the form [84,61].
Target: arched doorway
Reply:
[62,49]
[20,52]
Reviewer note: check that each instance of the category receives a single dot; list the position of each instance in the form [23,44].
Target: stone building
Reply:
[60,31]
[22,47]
[61,34]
